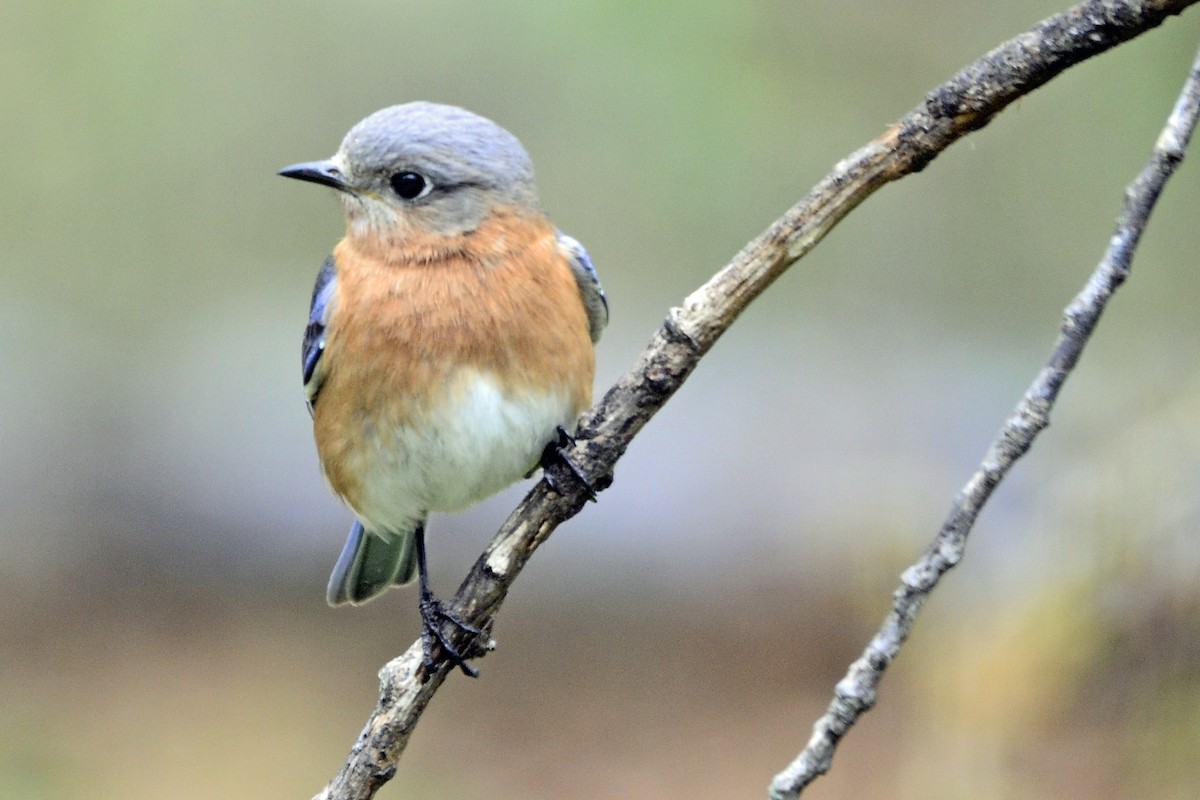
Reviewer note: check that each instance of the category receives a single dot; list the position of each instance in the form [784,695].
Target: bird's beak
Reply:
[326,173]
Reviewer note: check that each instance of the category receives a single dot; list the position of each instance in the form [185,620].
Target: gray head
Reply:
[424,166]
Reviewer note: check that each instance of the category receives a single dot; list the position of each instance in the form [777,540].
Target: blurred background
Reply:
[166,537]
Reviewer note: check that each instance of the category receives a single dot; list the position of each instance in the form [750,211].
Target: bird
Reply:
[450,344]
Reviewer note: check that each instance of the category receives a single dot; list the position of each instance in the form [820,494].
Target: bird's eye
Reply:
[410,185]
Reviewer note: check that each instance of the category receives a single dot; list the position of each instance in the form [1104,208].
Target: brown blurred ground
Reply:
[647,688]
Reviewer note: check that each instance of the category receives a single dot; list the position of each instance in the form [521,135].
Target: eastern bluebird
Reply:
[449,347]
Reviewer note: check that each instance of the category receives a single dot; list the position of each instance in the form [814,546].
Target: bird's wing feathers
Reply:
[589,284]
[314,334]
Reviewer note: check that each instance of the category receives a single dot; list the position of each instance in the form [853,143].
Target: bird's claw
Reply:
[436,644]
[556,453]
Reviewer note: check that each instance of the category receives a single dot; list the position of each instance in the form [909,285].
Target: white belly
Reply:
[464,451]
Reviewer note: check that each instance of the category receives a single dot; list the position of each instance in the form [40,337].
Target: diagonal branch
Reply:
[965,103]
[856,692]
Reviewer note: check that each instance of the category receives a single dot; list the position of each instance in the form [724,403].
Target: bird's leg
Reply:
[433,614]
[556,453]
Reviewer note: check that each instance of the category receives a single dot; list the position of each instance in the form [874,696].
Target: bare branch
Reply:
[856,692]
[965,103]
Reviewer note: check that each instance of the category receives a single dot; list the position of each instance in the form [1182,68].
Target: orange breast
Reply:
[406,320]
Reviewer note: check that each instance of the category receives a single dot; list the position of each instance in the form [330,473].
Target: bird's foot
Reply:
[556,453]
[437,644]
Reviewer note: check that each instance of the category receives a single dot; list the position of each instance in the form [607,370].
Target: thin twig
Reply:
[856,692]
[963,104]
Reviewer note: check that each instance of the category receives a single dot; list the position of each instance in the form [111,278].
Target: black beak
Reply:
[325,173]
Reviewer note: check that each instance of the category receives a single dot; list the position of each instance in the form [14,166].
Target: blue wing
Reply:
[589,284]
[314,334]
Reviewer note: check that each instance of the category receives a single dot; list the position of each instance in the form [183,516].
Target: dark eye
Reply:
[410,185]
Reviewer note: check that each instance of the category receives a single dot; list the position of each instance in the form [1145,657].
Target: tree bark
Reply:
[965,103]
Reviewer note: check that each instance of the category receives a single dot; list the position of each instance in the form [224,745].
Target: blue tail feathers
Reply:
[371,564]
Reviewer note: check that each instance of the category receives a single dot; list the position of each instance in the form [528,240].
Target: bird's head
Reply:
[424,168]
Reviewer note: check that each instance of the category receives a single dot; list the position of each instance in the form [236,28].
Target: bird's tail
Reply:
[370,564]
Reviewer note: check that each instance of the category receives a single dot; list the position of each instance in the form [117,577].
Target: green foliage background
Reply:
[165,535]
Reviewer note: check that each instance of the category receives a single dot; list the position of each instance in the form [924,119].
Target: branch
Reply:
[965,103]
[856,692]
